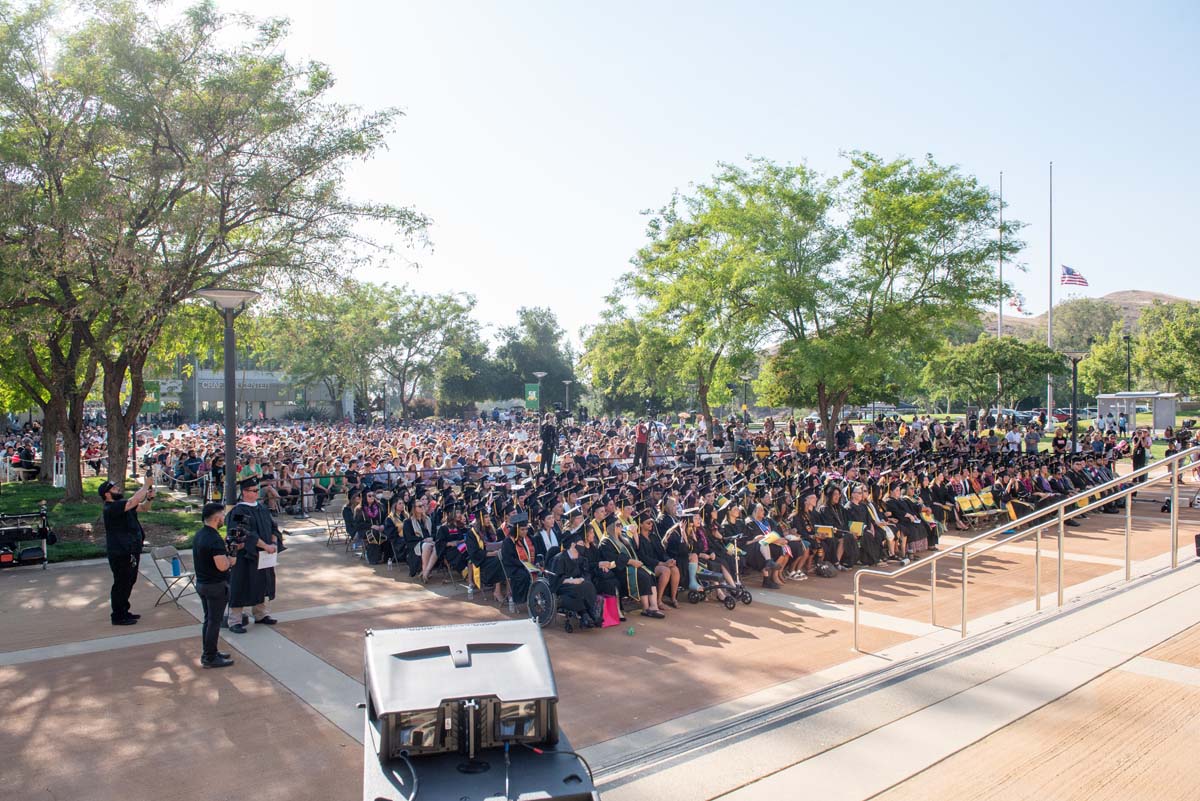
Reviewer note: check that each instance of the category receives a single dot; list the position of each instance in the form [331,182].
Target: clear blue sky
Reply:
[536,132]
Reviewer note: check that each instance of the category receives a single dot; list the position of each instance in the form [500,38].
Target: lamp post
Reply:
[231,303]
[745,391]
[1076,356]
[539,375]
[1128,362]
[567,382]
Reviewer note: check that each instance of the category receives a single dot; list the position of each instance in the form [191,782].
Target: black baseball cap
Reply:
[104,487]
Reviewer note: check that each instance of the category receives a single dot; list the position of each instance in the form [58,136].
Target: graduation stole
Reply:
[524,549]
[630,572]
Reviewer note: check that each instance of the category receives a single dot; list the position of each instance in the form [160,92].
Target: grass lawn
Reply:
[78,525]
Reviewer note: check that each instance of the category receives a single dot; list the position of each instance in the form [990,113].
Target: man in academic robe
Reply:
[250,585]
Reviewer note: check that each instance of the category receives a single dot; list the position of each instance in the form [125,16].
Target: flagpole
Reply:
[1050,311]
[1000,316]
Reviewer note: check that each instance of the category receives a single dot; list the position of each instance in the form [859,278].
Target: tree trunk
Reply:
[702,397]
[118,431]
[71,447]
[52,417]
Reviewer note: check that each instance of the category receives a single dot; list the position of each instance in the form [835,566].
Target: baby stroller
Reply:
[713,580]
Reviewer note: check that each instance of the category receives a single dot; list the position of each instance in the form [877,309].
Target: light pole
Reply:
[1076,356]
[1128,362]
[567,382]
[539,375]
[231,303]
[745,391]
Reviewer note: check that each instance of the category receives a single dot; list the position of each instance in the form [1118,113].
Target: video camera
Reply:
[236,531]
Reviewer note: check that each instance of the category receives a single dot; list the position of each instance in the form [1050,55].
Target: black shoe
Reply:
[224,655]
[238,628]
[124,621]
[133,616]
[267,621]
[670,602]
[1071,523]
[771,584]
[216,662]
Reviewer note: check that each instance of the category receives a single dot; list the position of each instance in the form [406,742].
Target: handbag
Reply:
[612,611]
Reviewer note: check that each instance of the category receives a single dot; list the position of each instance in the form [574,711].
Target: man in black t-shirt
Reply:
[123,539]
[211,561]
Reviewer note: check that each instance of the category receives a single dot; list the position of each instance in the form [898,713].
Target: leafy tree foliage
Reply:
[1104,369]
[535,344]
[145,161]
[991,370]
[1167,346]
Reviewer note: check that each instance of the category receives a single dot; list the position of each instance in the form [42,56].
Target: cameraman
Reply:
[250,523]
[549,435]
[212,561]
[123,538]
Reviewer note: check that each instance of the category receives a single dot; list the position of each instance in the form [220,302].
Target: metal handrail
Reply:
[1038,521]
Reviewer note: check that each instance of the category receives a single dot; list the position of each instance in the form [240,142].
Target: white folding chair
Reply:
[176,586]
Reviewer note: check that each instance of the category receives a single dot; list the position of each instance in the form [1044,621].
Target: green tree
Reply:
[1104,369]
[1167,345]
[1080,319]
[535,344]
[917,258]
[417,335]
[991,371]
[149,161]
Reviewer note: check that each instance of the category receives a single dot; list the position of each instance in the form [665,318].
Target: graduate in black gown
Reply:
[576,593]
[483,551]
[601,572]
[450,539]
[871,539]
[515,553]
[637,581]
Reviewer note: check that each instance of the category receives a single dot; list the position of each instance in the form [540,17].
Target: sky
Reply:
[536,133]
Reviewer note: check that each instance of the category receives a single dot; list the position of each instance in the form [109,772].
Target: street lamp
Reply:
[539,375]
[745,391]
[567,382]
[1128,362]
[1076,356]
[231,303]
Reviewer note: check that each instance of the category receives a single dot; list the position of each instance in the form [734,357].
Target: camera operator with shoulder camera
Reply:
[213,557]
[250,523]
[123,538]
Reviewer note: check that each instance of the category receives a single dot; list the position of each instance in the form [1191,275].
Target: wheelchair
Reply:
[542,603]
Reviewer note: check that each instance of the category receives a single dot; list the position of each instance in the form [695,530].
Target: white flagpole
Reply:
[1000,316]
[1050,312]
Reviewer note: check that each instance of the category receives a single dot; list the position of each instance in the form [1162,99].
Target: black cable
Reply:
[575,754]
[391,772]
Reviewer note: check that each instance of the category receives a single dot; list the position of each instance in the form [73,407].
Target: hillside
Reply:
[1131,302]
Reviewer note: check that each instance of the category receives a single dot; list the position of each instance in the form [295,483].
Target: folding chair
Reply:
[176,586]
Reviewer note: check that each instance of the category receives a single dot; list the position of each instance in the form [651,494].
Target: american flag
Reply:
[1072,277]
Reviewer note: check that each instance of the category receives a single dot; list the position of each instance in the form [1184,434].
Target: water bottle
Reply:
[176,566]
[471,590]
[391,561]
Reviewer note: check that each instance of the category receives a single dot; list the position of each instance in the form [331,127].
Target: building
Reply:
[264,394]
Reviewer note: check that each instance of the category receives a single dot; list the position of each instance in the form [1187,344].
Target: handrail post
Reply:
[856,583]
[1037,571]
[1128,537]
[933,593]
[1175,513]
[964,593]
[1062,522]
